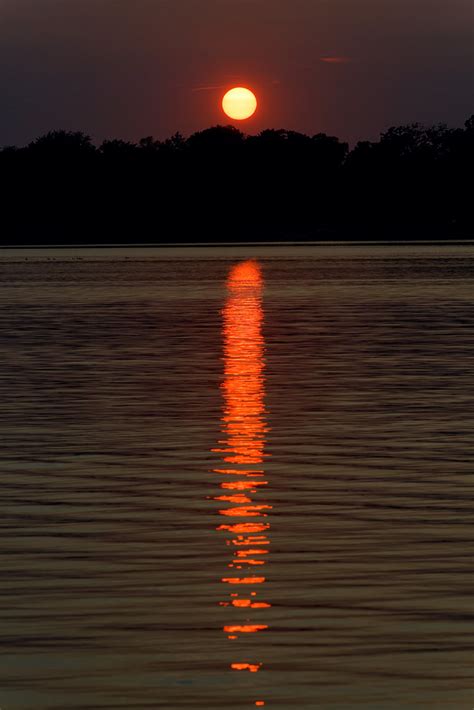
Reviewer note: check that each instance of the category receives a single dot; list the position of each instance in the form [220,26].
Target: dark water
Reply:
[229,483]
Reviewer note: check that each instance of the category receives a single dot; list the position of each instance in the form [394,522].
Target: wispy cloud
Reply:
[208,88]
[234,80]
[335,60]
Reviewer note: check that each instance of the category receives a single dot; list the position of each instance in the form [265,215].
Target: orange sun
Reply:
[239,103]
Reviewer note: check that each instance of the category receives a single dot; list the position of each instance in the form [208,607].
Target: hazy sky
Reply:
[132,68]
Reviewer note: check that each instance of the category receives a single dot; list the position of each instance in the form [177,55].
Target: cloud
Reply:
[208,88]
[237,82]
[335,60]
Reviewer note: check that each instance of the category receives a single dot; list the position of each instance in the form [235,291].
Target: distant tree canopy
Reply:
[221,185]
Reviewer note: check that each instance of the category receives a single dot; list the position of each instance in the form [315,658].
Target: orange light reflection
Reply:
[243,485]
[251,540]
[237,498]
[245,527]
[243,580]
[252,562]
[242,444]
[252,667]
[236,472]
[247,603]
[245,628]
[250,511]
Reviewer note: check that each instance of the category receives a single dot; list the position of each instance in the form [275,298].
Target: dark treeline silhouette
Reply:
[220,185]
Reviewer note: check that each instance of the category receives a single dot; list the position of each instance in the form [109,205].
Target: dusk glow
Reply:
[236,260]
[131,69]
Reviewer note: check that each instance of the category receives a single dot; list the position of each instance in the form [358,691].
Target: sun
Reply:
[239,103]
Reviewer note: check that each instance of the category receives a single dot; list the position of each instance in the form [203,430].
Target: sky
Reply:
[133,68]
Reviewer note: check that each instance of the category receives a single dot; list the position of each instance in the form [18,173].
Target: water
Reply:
[237,476]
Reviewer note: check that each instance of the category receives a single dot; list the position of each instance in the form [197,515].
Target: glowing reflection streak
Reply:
[253,668]
[243,580]
[242,448]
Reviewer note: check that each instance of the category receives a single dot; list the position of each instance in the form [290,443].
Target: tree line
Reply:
[221,185]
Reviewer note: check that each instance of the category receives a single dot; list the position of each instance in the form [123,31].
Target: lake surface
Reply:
[237,478]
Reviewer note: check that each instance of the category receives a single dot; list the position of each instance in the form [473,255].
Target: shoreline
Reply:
[221,245]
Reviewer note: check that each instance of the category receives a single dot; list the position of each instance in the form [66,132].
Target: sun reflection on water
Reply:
[242,450]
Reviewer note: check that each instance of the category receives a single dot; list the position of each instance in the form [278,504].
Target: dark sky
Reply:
[132,68]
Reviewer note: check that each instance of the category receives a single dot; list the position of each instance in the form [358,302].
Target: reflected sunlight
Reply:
[242,446]
[253,668]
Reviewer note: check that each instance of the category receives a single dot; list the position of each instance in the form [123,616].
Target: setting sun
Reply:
[239,103]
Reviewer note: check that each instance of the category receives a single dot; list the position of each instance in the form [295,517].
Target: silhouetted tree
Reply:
[118,149]
[220,184]
[61,142]
[175,144]
[212,141]
[149,144]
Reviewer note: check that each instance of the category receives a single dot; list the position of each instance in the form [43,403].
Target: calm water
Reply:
[237,477]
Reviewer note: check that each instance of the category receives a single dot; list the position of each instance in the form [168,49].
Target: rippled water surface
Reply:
[237,478]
